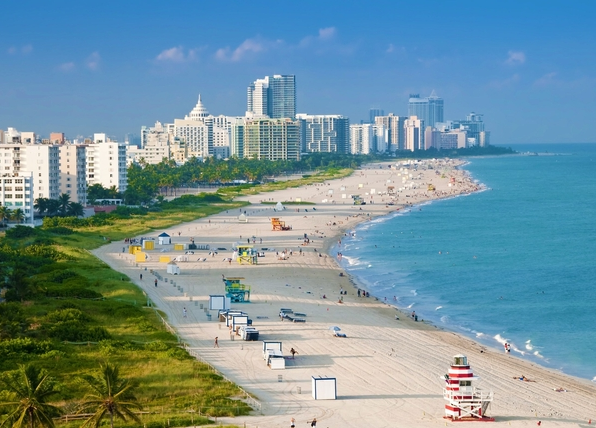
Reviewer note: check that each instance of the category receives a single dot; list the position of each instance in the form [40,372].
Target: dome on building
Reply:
[199,112]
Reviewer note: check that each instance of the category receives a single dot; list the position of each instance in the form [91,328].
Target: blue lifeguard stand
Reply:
[236,291]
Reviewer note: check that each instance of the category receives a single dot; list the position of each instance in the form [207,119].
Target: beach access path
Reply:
[389,372]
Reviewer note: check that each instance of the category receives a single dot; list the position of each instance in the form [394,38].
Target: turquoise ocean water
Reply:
[514,263]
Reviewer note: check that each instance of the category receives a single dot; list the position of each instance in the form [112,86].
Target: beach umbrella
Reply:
[335,328]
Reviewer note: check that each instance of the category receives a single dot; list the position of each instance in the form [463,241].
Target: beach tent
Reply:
[242,218]
[164,239]
[279,207]
[173,268]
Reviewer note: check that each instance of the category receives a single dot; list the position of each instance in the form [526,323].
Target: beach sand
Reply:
[389,372]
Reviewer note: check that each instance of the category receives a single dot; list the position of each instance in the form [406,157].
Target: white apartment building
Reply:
[44,162]
[368,138]
[414,133]
[155,145]
[395,130]
[16,192]
[73,173]
[106,163]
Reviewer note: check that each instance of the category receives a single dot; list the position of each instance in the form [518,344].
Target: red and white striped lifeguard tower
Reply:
[465,402]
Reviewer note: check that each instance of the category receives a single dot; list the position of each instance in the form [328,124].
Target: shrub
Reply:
[73,292]
[60,230]
[74,331]
[67,315]
[19,232]
[20,348]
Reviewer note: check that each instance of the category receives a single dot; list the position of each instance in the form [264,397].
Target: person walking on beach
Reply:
[292,423]
[184,312]
[216,343]
[141,277]
[293,352]
[313,423]
[156,282]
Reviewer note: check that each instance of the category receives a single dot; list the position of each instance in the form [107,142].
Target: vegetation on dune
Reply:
[65,311]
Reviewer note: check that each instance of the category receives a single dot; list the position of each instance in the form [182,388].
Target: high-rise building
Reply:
[429,109]
[395,130]
[73,177]
[373,113]
[474,125]
[273,97]
[106,163]
[414,133]
[155,145]
[432,138]
[367,138]
[271,139]
[455,139]
[324,133]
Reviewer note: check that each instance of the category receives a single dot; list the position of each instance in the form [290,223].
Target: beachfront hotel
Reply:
[324,133]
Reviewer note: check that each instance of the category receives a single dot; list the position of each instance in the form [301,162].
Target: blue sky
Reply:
[81,67]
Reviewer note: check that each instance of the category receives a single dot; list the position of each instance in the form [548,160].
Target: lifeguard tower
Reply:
[465,402]
[277,224]
[236,291]
[247,254]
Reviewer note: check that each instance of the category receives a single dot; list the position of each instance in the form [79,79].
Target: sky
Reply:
[82,67]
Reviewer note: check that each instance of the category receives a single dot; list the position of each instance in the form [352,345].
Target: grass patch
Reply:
[248,189]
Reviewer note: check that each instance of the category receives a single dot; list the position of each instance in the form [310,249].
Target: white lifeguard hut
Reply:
[465,402]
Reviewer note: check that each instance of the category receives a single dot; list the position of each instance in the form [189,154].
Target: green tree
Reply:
[111,396]
[75,210]
[29,387]
[4,214]
[42,205]
[18,215]
[63,201]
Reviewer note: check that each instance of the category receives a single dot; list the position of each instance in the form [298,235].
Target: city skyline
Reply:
[520,66]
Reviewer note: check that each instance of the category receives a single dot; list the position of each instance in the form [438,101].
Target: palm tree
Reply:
[53,207]
[4,214]
[75,210]
[111,396]
[18,215]
[63,201]
[41,205]
[30,387]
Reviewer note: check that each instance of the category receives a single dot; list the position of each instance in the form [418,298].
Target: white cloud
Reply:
[67,67]
[177,54]
[246,48]
[24,50]
[92,61]
[515,58]
[500,84]
[547,79]
[390,48]
[327,33]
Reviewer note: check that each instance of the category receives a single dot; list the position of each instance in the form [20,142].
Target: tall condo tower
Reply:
[273,97]
[429,109]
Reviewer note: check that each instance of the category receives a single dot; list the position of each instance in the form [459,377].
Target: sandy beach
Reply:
[389,371]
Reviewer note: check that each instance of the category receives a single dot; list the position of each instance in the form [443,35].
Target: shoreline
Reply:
[387,370]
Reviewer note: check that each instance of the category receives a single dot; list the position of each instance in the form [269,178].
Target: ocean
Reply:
[515,263]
